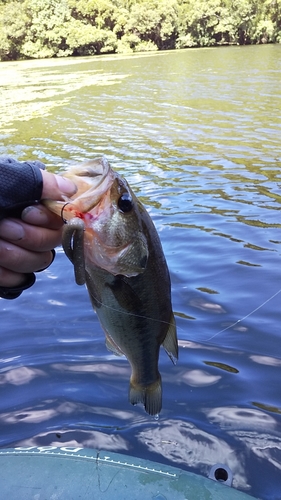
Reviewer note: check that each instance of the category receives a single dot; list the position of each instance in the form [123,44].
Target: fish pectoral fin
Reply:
[73,245]
[170,343]
[125,294]
[112,346]
[150,396]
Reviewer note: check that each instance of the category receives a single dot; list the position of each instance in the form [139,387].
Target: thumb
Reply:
[55,186]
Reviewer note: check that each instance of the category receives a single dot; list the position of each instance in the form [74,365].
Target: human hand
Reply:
[26,244]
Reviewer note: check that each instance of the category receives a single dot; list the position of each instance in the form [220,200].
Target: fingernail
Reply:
[66,186]
[10,230]
[33,215]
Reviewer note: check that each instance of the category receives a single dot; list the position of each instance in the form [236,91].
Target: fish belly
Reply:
[128,317]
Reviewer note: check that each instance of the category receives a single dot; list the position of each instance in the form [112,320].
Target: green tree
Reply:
[99,13]
[85,39]
[267,26]
[13,20]
[45,30]
[198,20]
[55,28]
[154,22]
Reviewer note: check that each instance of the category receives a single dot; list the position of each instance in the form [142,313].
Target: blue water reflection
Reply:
[197,135]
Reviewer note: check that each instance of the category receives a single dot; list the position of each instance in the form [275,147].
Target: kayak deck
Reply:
[70,473]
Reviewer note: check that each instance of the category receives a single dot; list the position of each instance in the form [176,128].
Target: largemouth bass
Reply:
[116,251]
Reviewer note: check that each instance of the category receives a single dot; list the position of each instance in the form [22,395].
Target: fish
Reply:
[116,252]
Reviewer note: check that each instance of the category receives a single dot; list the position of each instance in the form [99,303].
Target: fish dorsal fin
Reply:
[170,343]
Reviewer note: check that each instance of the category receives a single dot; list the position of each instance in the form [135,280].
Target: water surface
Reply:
[197,135]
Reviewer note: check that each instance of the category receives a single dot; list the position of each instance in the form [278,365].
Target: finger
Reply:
[54,186]
[20,260]
[11,279]
[29,237]
[38,215]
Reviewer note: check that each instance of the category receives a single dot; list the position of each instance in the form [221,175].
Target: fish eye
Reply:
[125,203]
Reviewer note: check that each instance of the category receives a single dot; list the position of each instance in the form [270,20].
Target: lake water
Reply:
[197,133]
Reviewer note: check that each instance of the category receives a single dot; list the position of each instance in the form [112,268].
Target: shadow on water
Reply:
[197,135]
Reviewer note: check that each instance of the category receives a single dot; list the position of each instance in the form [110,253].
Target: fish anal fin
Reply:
[112,346]
[150,396]
[170,343]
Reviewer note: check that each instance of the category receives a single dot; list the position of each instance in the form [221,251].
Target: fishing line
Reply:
[245,317]
[135,315]
[179,328]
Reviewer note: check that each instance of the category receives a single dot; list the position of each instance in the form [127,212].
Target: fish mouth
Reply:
[94,170]
[93,178]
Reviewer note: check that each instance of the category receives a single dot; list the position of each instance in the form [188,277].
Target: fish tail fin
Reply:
[150,396]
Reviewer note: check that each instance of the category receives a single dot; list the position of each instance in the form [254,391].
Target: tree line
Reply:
[60,28]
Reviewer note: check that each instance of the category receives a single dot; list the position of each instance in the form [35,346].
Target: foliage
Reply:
[56,28]
[85,39]
[13,23]
[45,34]
[153,21]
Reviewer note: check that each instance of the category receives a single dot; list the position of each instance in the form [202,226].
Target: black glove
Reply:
[21,185]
